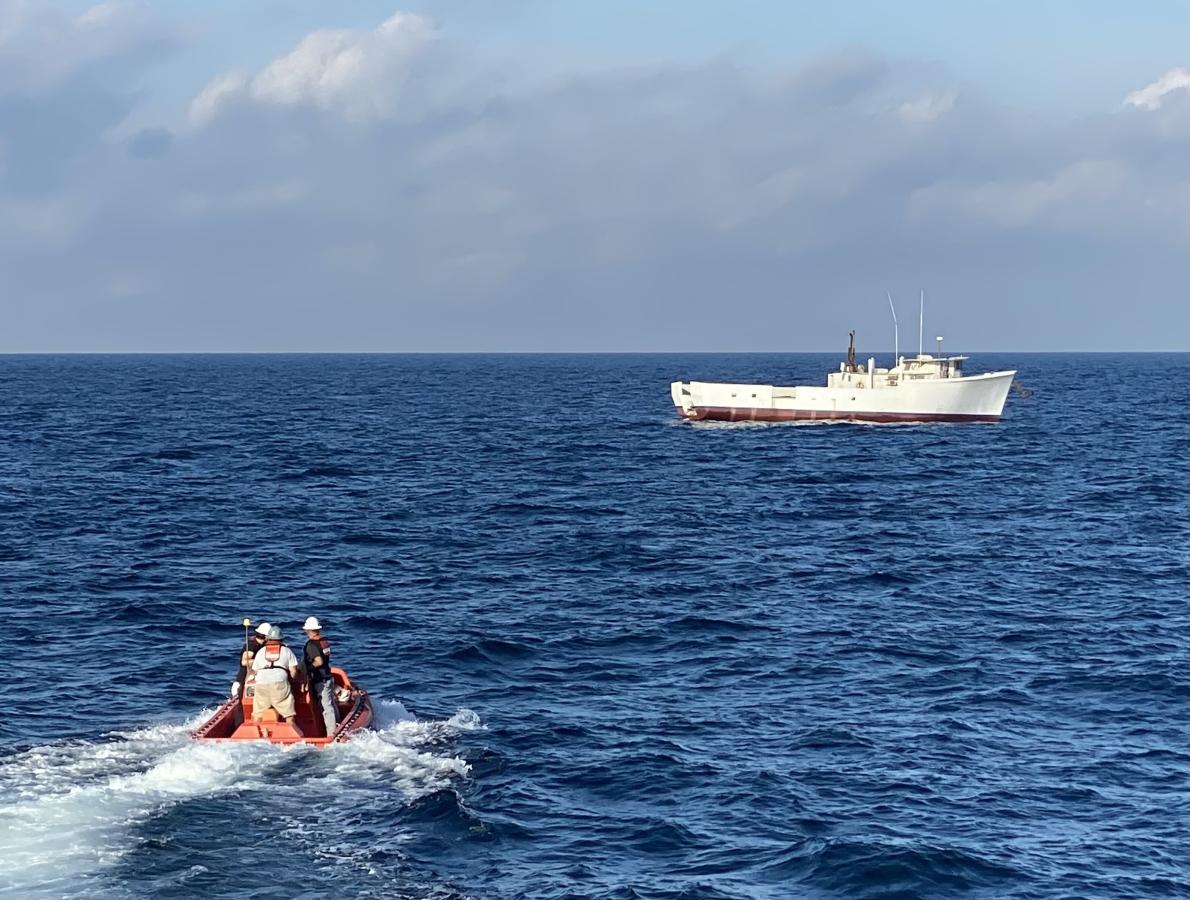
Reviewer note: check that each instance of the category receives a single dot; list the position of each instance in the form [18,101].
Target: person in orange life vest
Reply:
[317,657]
[274,666]
[247,654]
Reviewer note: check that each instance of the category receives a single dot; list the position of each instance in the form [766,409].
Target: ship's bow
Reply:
[679,391]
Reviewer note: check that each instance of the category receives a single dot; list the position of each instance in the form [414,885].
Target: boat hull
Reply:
[973,398]
[752,414]
[233,722]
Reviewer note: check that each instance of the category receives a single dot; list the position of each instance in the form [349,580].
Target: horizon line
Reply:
[6,353]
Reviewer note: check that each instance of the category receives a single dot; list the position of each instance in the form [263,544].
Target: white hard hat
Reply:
[312,624]
[263,629]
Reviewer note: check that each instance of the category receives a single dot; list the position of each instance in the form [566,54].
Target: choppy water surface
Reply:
[636,657]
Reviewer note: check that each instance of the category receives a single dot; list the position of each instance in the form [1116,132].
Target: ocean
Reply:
[615,655]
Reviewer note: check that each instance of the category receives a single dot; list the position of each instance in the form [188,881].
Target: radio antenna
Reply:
[896,333]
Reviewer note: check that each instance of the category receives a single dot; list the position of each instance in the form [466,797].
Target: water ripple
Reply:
[741,661]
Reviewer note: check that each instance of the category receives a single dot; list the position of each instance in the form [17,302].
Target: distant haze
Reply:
[341,177]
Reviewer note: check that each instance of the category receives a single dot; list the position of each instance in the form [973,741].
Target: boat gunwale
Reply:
[357,718]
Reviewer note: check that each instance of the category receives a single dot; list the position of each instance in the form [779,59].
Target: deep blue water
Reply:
[644,658]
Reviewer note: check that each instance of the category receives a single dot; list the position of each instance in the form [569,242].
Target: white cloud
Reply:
[217,91]
[42,46]
[253,199]
[929,107]
[1061,200]
[49,220]
[356,73]
[1151,96]
[100,15]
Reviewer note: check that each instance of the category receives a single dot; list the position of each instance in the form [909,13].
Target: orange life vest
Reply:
[272,653]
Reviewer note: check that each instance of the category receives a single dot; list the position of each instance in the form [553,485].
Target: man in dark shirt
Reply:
[317,657]
[247,654]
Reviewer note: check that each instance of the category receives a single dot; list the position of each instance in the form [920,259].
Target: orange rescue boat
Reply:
[233,720]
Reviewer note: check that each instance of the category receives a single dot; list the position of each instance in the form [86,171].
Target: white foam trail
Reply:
[79,800]
[397,750]
[75,804]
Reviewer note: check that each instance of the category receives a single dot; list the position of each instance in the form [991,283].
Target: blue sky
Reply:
[530,175]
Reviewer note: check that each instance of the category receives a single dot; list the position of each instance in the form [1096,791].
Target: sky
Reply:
[541,175]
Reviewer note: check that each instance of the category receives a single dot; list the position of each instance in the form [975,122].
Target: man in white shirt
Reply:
[274,665]
[252,643]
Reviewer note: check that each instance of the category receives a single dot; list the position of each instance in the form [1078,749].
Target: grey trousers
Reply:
[324,693]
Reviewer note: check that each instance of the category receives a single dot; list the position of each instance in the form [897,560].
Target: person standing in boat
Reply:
[317,657]
[275,666]
[251,645]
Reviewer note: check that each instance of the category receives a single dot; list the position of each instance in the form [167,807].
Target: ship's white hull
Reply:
[972,398]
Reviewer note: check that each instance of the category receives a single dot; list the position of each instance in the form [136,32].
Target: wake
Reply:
[74,806]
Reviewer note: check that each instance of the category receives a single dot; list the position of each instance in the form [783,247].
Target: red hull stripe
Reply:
[750,414]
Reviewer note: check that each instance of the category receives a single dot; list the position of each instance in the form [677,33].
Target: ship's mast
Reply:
[921,318]
[896,333]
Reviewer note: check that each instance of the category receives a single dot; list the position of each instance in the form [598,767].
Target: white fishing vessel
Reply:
[921,388]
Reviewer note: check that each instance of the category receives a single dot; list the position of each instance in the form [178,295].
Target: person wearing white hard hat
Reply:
[252,643]
[275,665]
[317,657]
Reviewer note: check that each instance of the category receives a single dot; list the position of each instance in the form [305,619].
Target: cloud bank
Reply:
[393,189]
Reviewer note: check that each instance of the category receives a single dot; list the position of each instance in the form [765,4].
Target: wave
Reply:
[371,539]
[323,471]
[563,512]
[832,738]
[1115,684]
[889,869]
[373,622]
[491,650]
[882,578]
[710,624]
